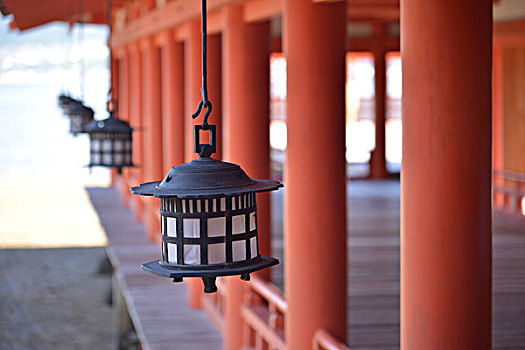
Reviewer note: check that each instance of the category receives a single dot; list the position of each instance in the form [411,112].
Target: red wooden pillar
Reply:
[497,121]
[378,156]
[123,113]
[315,179]
[192,96]
[136,116]
[446,174]
[114,80]
[172,101]
[215,86]
[152,109]
[246,134]
[192,84]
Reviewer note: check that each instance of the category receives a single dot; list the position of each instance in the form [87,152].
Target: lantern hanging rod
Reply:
[108,14]
[204,103]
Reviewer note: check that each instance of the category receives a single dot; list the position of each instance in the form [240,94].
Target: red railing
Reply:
[213,305]
[263,313]
[508,191]
[325,341]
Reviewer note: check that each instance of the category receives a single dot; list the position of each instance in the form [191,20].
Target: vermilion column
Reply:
[378,156]
[446,49]
[315,180]
[192,84]
[152,110]
[192,96]
[246,134]
[215,87]
[172,102]
[497,122]
[114,79]
[137,173]
[123,113]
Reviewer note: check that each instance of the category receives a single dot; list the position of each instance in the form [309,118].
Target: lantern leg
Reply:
[177,279]
[209,284]
[245,277]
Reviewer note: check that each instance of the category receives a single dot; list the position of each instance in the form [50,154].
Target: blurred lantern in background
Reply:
[79,117]
[110,141]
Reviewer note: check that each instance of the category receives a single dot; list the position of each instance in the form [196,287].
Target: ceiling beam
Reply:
[261,10]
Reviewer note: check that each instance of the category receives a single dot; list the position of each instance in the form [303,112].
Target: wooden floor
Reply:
[157,306]
[373,276]
[373,273]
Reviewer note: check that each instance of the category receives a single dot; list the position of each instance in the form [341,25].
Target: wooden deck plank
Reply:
[374,263]
[373,272]
[157,306]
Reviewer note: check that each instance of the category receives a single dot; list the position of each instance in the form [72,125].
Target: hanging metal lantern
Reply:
[79,117]
[110,143]
[208,215]
[208,211]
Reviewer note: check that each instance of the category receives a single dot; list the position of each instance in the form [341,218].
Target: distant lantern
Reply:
[110,143]
[79,117]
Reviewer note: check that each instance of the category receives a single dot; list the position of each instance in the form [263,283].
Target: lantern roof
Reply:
[205,177]
[77,108]
[66,99]
[111,124]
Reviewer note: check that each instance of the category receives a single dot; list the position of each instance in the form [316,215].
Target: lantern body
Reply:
[208,221]
[110,143]
[79,117]
[216,231]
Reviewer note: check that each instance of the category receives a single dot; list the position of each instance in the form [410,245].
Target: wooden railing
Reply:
[325,341]
[508,191]
[213,304]
[263,313]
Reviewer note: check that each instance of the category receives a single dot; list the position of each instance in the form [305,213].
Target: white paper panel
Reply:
[239,250]
[118,146]
[118,159]
[172,227]
[106,159]
[172,253]
[191,228]
[253,225]
[192,254]
[95,145]
[216,253]
[238,223]
[253,247]
[106,145]
[217,227]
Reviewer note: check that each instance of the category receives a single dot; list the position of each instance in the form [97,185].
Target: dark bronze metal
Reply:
[205,177]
